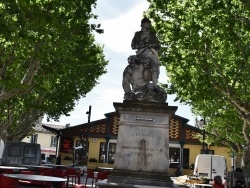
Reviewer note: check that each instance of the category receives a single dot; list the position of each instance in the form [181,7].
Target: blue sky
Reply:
[120,20]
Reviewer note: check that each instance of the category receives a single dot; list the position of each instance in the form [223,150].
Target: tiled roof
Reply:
[38,127]
[103,128]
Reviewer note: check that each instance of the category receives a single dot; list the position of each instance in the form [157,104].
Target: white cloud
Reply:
[119,31]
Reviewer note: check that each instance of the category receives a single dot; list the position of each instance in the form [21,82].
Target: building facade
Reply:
[184,144]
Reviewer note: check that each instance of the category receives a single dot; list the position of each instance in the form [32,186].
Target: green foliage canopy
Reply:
[205,49]
[49,57]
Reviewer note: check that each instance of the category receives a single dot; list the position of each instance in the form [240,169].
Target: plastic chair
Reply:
[46,172]
[58,172]
[102,176]
[99,176]
[79,186]
[27,172]
[74,175]
[90,174]
[105,174]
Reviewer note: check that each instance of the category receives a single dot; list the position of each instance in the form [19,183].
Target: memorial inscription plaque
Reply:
[142,151]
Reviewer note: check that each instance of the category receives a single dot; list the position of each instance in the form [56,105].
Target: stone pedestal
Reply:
[142,151]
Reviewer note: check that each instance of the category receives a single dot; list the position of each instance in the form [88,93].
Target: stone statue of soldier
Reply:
[143,71]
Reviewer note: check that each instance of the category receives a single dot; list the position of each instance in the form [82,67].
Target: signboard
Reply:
[66,144]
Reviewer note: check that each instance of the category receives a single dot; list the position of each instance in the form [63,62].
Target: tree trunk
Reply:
[238,160]
[246,159]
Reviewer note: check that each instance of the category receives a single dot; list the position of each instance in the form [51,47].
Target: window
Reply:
[80,152]
[174,157]
[33,138]
[207,151]
[111,154]
[102,152]
[53,141]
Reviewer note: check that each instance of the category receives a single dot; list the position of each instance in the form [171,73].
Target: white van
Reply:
[208,166]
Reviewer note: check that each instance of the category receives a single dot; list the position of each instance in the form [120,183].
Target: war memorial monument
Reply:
[142,151]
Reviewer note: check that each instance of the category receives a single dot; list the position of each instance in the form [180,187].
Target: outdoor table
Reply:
[35,167]
[56,182]
[104,168]
[38,169]
[4,169]
[56,166]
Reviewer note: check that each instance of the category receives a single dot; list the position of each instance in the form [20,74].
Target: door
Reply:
[218,166]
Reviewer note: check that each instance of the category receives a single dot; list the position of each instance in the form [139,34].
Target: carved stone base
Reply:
[141,178]
[142,151]
[147,93]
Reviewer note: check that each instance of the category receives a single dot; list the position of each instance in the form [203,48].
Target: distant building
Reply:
[47,139]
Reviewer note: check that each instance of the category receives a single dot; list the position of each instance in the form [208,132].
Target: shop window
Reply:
[174,158]
[80,152]
[66,144]
[102,152]
[111,154]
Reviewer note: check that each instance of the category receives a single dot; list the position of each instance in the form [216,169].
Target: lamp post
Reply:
[87,135]
[203,123]
[203,142]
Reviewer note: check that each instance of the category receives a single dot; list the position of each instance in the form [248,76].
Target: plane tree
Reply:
[205,49]
[49,60]
[224,127]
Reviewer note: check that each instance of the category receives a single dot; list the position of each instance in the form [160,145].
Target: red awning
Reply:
[43,150]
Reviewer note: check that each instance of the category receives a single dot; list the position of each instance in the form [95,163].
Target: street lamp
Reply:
[87,135]
[203,123]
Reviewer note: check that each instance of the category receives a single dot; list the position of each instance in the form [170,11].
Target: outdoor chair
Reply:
[58,172]
[27,172]
[102,176]
[46,172]
[105,174]
[79,186]
[91,175]
[73,175]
